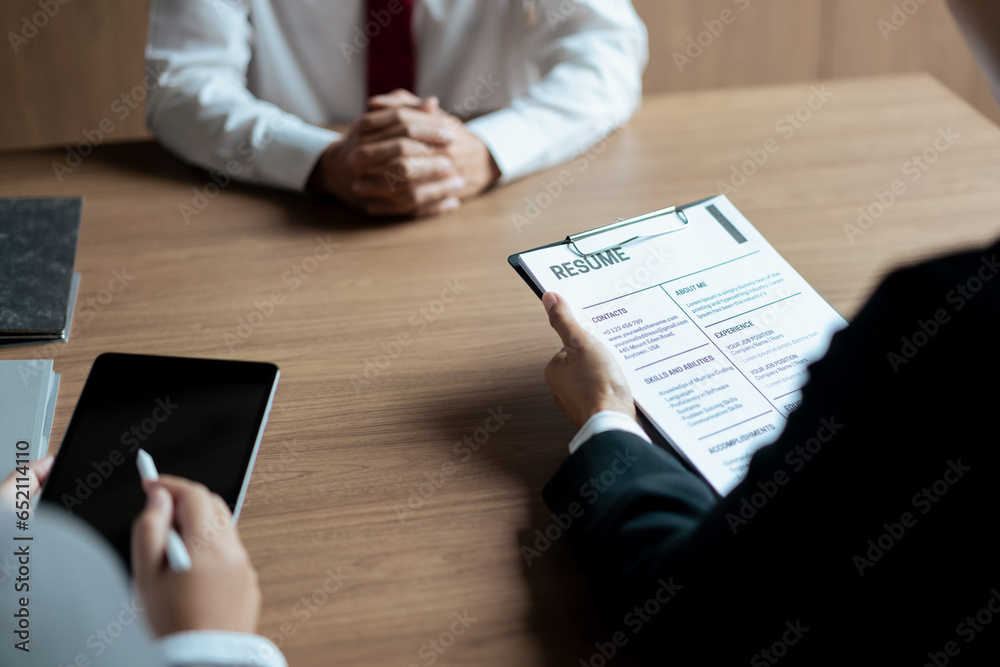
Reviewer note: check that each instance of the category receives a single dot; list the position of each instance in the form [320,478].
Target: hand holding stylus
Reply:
[220,590]
[177,554]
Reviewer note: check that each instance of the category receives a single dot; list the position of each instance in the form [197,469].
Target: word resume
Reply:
[713,328]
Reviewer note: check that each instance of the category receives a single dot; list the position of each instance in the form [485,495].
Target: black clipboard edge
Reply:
[514,260]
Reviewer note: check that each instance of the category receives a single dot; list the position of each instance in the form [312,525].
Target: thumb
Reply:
[561,319]
[38,473]
[41,470]
[430,104]
[149,534]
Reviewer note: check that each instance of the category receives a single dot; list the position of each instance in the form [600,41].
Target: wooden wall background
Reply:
[64,77]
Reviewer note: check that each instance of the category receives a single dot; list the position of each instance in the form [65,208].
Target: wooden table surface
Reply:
[364,425]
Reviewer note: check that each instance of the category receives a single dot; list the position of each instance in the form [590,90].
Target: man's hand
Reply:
[402,98]
[583,376]
[386,145]
[398,177]
[332,174]
[220,591]
[38,472]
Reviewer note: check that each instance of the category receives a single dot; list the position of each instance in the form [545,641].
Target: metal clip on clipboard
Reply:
[573,239]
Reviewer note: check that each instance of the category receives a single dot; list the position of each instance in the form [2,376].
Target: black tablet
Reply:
[201,419]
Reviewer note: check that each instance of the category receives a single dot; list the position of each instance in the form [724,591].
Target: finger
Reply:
[222,507]
[415,198]
[430,133]
[389,187]
[383,118]
[178,486]
[149,532]
[42,468]
[377,152]
[404,98]
[38,472]
[384,179]
[196,508]
[391,122]
[549,299]
[561,319]
[431,104]
[397,98]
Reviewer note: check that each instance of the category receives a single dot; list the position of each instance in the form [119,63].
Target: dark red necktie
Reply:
[392,62]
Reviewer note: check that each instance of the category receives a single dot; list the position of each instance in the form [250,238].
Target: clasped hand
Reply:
[405,157]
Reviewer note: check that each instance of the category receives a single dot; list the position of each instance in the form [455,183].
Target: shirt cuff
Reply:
[220,649]
[511,141]
[292,153]
[606,420]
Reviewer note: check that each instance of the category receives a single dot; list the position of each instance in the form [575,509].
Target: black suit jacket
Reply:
[866,534]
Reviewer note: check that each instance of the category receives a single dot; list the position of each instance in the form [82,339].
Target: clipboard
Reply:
[766,357]
[619,230]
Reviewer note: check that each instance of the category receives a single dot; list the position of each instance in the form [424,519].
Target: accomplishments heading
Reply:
[594,262]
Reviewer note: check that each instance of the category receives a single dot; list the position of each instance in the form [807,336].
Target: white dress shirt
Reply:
[606,420]
[244,86]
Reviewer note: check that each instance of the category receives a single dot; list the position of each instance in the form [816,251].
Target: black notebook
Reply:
[38,239]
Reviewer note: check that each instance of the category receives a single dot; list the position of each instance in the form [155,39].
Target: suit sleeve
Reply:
[591,56]
[201,108]
[638,505]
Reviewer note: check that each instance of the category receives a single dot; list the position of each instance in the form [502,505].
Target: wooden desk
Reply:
[339,456]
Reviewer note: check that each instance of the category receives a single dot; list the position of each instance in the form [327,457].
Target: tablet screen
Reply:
[198,418]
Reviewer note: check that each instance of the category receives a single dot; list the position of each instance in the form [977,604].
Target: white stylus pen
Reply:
[177,554]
